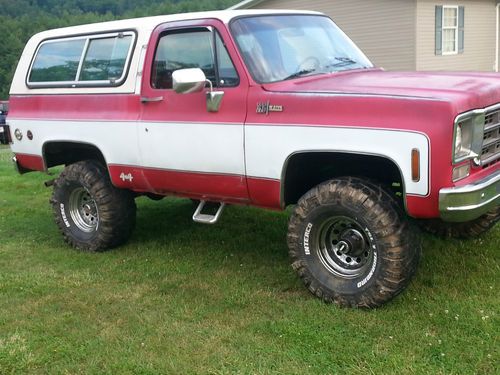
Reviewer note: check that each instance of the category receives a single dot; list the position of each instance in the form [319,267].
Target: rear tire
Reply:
[351,244]
[469,229]
[90,212]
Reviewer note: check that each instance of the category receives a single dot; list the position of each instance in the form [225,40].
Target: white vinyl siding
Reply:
[478,49]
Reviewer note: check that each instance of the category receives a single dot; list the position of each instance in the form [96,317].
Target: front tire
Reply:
[90,212]
[469,229]
[351,244]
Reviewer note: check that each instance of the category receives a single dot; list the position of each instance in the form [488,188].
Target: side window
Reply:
[228,77]
[99,60]
[105,59]
[57,61]
[200,48]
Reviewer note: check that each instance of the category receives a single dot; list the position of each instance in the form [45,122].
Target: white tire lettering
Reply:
[63,214]
[372,271]
[307,249]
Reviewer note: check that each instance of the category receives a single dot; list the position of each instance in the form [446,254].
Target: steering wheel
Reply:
[309,63]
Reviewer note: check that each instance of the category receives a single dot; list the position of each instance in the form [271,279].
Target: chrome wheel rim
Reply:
[83,210]
[344,247]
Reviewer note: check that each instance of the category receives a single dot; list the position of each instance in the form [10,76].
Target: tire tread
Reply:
[465,230]
[117,209]
[393,231]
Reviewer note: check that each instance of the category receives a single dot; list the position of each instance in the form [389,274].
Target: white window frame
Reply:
[443,28]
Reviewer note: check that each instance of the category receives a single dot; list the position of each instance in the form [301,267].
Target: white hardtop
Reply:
[149,23]
[143,26]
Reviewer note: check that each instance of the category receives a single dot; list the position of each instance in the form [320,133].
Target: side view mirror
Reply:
[186,81]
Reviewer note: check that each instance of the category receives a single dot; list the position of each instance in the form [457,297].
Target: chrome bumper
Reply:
[468,202]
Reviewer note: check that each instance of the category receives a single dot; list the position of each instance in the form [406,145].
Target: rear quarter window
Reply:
[93,60]
[57,61]
[105,59]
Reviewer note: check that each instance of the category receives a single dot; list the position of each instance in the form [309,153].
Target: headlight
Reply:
[463,139]
[469,130]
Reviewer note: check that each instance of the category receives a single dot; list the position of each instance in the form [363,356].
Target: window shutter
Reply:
[439,30]
[461,24]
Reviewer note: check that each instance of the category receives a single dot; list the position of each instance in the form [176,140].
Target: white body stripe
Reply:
[212,148]
[197,147]
[223,148]
[116,140]
[268,147]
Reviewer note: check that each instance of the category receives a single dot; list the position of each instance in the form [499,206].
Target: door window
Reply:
[193,48]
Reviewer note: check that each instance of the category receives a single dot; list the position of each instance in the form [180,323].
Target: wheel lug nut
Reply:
[343,247]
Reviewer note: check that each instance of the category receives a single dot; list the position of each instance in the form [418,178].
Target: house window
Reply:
[449,29]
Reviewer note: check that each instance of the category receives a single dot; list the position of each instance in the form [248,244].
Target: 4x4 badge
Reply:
[267,107]
[126,177]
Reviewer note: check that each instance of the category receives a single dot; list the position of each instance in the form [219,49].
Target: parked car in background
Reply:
[4,134]
[4,108]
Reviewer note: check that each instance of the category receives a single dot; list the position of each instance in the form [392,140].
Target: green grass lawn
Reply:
[184,298]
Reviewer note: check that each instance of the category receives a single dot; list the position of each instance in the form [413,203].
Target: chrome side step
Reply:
[200,217]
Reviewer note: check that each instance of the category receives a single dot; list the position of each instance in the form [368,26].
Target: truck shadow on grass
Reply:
[257,239]
[241,229]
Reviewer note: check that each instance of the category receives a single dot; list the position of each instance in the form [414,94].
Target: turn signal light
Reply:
[461,171]
[415,165]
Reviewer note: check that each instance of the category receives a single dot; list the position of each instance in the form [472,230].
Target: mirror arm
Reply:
[210,84]
[214,98]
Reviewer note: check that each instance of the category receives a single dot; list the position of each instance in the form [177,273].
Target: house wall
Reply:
[383,29]
[479,37]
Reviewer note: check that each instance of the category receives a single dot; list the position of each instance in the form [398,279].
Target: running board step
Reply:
[200,217]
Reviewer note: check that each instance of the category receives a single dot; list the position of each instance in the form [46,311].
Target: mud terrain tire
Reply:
[351,244]
[90,212]
[469,229]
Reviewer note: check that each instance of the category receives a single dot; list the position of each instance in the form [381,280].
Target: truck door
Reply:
[186,149]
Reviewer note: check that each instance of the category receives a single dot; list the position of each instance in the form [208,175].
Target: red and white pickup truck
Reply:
[259,108]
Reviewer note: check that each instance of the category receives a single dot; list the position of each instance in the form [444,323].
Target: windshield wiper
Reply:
[300,73]
[342,61]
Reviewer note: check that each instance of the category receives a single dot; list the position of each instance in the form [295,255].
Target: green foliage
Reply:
[20,19]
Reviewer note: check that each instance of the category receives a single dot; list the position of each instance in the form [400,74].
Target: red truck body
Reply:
[434,138]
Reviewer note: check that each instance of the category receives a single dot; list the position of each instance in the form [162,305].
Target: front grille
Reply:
[490,152]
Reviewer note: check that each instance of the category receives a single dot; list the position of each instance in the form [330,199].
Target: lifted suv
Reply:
[260,108]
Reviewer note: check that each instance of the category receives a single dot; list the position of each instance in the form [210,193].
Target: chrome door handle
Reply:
[145,99]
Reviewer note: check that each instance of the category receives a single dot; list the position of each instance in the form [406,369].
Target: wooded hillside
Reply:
[20,19]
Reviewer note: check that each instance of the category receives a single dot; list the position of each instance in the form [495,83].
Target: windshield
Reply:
[280,47]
